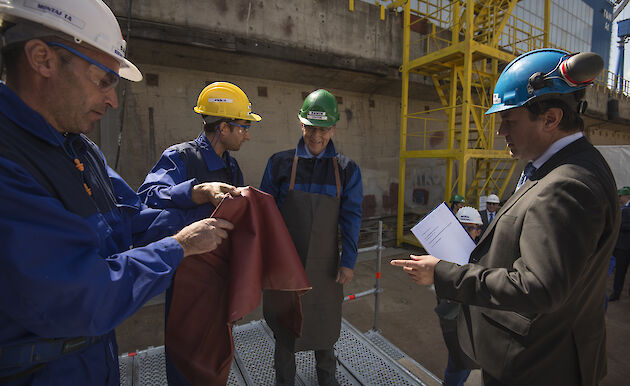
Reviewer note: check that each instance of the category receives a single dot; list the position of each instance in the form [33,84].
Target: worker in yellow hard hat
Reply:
[195,175]
[199,173]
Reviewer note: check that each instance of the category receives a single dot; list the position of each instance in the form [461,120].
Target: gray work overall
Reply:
[312,220]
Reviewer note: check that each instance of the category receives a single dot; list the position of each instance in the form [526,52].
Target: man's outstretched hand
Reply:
[419,268]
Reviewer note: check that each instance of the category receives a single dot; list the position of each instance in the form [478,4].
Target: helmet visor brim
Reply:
[128,70]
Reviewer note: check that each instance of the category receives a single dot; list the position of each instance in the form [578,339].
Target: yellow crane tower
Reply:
[460,45]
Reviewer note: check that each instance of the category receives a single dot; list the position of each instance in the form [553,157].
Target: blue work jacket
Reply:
[315,174]
[68,267]
[180,168]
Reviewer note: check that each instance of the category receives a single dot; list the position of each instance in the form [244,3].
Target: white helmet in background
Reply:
[86,21]
[469,215]
[493,199]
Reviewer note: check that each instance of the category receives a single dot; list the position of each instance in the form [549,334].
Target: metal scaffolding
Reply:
[459,46]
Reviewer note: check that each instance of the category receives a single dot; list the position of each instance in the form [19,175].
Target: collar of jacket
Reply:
[213,161]
[30,120]
[575,147]
[302,152]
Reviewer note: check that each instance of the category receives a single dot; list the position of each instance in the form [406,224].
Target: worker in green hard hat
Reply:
[318,191]
[457,202]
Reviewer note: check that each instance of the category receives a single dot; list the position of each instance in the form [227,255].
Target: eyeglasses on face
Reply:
[472,227]
[104,77]
[243,128]
[313,129]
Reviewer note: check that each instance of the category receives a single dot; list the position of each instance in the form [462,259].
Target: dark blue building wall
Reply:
[602,27]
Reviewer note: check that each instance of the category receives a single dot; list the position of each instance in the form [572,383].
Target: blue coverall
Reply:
[169,184]
[67,267]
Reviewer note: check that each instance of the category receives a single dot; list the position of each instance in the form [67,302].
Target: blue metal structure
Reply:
[623,33]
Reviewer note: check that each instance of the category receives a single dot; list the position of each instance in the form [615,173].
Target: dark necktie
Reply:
[526,175]
[491,215]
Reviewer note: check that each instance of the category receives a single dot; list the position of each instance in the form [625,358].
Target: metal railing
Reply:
[614,83]
[376,290]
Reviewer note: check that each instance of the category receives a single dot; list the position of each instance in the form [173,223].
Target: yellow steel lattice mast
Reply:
[466,43]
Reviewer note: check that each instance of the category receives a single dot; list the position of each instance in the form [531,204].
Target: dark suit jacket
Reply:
[484,219]
[623,242]
[534,311]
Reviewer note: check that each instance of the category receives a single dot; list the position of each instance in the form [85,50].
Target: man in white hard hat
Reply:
[487,215]
[459,364]
[68,221]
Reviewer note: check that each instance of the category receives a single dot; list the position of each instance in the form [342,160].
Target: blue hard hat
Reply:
[541,72]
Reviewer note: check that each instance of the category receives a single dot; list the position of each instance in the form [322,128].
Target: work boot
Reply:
[613,297]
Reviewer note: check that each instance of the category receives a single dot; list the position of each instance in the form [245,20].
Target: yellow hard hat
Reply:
[223,99]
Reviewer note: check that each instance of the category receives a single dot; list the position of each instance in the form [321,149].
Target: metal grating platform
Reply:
[363,359]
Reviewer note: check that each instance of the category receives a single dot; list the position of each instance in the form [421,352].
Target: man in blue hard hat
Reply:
[533,295]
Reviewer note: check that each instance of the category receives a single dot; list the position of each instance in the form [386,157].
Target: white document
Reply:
[443,236]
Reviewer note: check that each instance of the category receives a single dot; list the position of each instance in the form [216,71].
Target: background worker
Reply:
[533,295]
[64,294]
[195,175]
[622,248]
[487,215]
[318,190]
[457,202]
[459,364]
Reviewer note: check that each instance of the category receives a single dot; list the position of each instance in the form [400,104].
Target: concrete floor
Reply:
[405,317]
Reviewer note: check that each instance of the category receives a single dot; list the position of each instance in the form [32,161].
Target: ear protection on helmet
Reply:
[575,70]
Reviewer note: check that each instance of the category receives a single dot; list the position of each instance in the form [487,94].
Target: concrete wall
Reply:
[289,48]
[325,26]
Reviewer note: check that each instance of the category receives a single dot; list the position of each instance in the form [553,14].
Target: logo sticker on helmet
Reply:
[496,99]
[318,115]
[220,100]
[55,11]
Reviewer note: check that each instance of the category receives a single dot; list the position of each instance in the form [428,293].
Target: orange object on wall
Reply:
[213,290]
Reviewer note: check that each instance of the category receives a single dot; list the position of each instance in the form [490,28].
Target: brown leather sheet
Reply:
[213,290]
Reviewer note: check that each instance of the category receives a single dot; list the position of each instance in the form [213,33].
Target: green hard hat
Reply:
[625,191]
[319,109]
[458,198]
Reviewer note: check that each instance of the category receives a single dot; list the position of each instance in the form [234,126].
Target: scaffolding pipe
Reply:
[376,290]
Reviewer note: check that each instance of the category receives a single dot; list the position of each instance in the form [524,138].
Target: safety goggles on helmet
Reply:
[83,21]
[104,77]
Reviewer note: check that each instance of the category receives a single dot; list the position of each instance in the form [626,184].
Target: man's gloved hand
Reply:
[203,236]
[212,192]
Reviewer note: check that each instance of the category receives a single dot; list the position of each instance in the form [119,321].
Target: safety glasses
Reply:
[244,129]
[104,77]
[314,129]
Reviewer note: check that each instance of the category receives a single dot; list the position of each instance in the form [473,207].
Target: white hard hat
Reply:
[469,215]
[89,21]
[493,199]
